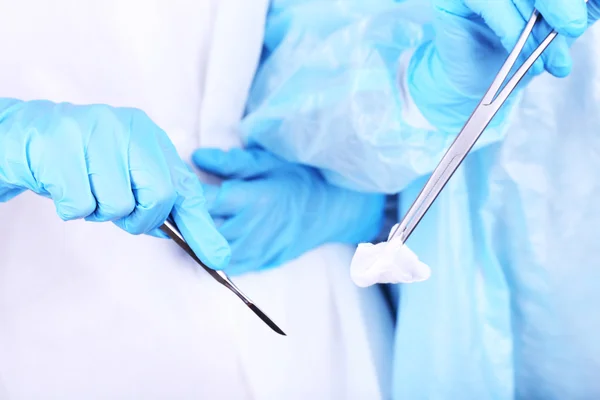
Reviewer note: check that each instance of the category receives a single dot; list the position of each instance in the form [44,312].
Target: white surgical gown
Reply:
[90,312]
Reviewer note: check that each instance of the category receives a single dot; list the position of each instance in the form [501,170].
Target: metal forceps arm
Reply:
[494,98]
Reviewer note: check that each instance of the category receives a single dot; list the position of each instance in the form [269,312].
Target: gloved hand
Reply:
[104,164]
[507,18]
[275,211]
[449,75]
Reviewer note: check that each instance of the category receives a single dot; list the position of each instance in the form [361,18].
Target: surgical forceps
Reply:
[171,230]
[494,98]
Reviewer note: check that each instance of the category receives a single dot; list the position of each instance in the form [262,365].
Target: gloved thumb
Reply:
[236,163]
[190,213]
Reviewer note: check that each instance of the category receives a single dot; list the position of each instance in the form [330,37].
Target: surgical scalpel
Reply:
[171,230]
[495,97]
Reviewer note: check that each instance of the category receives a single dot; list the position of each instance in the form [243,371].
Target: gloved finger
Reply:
[67,183]
[190,214]
[567,17]
[510,27]
[109,174]
[151,183]
[158,233]
[231,198]
[556,58]
[236,163]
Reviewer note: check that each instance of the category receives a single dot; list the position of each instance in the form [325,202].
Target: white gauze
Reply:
[387,262]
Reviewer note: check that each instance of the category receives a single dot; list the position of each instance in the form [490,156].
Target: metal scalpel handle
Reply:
[171,230]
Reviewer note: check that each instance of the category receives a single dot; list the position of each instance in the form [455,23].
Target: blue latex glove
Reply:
[275,211]
[450,74]
[507,18]
[104,164]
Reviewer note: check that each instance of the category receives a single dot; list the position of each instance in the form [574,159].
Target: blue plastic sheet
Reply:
[330,80]
[511,308]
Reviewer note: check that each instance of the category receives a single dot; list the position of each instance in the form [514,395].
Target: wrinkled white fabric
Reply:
[90,312]
[387,262]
